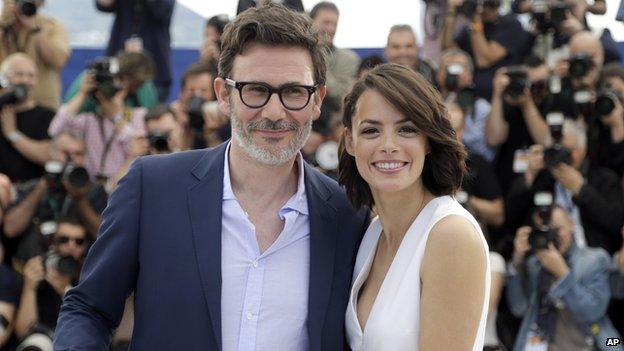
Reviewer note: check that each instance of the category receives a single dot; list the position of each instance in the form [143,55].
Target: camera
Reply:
[64,264]
[105,71]
[28,8]
[56,171]
[558,12]
[14,95]
[541,234]
[557,153]
[452,76]
[194,108]
[606,98]
[159,141]
[580,65]
[518,81]
[39,339]
[583,102]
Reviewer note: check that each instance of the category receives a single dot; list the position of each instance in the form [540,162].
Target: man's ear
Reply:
[348,141]
[222,93]
[319,95]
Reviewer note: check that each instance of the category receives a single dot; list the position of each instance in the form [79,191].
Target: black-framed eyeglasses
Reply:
[256,94]
[63,239]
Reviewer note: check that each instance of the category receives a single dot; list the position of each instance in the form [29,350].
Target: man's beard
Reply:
[243,137]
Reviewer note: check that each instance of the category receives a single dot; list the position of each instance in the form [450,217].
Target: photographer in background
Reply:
[65,191]
[10,285]
[196,90]
[143,25]
[210,50]
[24,141]
[108,132]
[43,39]
[519,101]
[492,40]
[592,196]
[48,276]
[134,72]
[164,136]
[560,289]
[455,79]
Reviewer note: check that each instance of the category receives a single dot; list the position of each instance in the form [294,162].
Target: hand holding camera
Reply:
[552,261]
[87,86]
[500,82]
[521,245]
[569,177]
[34,273]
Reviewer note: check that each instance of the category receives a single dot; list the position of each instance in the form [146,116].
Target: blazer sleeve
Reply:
[93,309]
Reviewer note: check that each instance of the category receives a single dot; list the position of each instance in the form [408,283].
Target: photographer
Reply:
[519,101]
[43,39]
[10,285]
[211,43]
[143,25]
[455,79]
[164,135]
[47,277]
[132,71]
[592,196]
[64,191]
[492,40]
[617,277]
[402,48]
[24,141]
[108,132]
[561,290]
[190,109]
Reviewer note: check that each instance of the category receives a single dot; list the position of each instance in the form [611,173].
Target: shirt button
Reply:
[255,264]
[249,315]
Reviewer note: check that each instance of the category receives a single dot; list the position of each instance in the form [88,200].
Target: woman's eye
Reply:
[408,130]
[368,130]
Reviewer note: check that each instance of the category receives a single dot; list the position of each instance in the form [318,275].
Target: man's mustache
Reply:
[267,124]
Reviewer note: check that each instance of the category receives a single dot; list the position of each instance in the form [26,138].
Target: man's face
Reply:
[211,34]
[166,124]
[271,134]
[327,22]
[199,85]
[70,240]
[69,148]
[464,78]
[538,77]
[402,49]
[22,71]
[592,48]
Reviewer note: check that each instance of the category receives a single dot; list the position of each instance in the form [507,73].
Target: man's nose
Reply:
[274,109]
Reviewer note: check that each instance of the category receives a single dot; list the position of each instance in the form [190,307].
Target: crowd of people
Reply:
[538,106]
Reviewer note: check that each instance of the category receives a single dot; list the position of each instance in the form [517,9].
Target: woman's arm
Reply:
[453,273]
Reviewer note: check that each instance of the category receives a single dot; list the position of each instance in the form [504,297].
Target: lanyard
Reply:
[107,143]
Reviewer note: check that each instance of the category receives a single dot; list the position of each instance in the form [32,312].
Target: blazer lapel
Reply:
[323,224]
[205,209]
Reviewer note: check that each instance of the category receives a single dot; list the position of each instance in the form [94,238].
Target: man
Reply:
[402,48]
[592,196]
[47,278]
[612,156]
[241,247]
[492,40]
[9,300]
[108,131]
[562,291]
[455,79]
[516,122]
[43,39]
[24,141]
[143,25]
[342,64]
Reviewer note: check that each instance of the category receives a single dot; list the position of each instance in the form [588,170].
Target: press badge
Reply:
[535,342]
[521,161]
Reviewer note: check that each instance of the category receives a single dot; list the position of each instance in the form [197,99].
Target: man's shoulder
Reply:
[594,256]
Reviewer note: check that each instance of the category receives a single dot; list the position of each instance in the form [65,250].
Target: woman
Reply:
[421,279]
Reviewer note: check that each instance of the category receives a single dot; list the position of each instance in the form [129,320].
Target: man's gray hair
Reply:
[6,64]
[452,52]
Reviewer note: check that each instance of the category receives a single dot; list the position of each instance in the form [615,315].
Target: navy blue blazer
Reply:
[161,238]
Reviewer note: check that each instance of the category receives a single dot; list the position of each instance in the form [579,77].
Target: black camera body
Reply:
[105,71]
[518,81]
[159,141]
[64,264]
[195,111]
[57,171]
[557,153]
[28,8]
[14,95]
[541,236]
[606,98]
[580,65]
[451,83]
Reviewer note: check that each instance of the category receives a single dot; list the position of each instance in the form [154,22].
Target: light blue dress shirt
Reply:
[264,296]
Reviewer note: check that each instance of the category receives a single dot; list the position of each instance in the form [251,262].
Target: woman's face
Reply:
[389,151]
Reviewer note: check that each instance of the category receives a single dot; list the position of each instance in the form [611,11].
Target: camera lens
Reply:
[78,177]
[27,8]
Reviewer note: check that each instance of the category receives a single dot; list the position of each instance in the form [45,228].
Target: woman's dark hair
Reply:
[411,94]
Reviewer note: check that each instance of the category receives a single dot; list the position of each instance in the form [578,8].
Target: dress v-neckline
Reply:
[361,278]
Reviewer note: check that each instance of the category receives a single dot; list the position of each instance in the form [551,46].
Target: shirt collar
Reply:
[297,202]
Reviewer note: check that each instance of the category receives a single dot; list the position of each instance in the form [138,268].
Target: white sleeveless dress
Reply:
[393,320]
